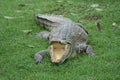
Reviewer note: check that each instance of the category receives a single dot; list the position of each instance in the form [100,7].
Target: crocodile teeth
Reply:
[57,51]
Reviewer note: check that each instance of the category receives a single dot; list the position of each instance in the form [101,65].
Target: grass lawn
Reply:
[18,48]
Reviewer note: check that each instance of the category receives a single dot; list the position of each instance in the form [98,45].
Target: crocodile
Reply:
[66,38]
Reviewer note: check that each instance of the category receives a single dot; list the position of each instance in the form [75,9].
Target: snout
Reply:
[56,61]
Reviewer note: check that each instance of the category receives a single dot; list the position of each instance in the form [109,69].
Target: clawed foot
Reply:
[38,58]
[44,34]
[39,55]
[90,51]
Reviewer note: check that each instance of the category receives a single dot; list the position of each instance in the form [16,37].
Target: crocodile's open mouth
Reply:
[58,52]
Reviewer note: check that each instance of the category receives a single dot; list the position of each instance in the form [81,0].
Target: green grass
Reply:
[16,57]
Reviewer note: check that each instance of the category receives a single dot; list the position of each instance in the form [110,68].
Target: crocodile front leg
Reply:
[44,34]
[84,47]
[39,55]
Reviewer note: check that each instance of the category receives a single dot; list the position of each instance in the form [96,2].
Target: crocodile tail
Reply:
[50,21]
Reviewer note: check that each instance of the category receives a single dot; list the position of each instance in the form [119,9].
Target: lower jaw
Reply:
[55,61]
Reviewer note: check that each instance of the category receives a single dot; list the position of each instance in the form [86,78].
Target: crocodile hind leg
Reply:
[39,55]
[86,48]
[44,34]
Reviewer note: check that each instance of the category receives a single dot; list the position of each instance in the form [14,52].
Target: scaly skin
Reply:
[62,32]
